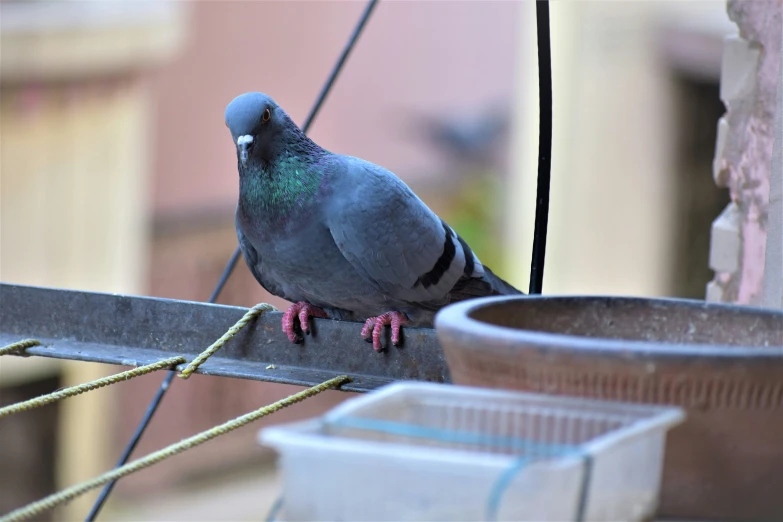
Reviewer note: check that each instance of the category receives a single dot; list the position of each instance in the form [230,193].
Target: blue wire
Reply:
[533,450]
[500,487]
[275,509]
[403,429]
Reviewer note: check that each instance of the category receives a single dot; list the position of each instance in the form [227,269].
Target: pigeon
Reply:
[340,237]
[469,141]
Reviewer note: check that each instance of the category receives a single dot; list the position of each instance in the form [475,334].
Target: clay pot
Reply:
[722,363]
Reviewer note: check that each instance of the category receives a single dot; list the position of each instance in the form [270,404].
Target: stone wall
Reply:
[743,156]
[773,275]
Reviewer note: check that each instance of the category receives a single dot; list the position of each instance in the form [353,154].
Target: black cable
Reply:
[126,453]
[153,407]
[544,146]
[339,65]
[164,386]
[226,274]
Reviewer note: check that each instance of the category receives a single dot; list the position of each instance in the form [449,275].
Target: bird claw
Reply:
[373,327]
[303,311]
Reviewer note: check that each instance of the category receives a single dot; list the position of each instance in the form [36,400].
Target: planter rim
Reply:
[457,318]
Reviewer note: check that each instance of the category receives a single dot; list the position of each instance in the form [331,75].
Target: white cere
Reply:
[244,139]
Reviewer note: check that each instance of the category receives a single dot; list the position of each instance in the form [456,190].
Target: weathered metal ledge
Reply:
[133,331]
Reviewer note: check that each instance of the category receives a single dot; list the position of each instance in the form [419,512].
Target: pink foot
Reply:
[374,326]
[304,311]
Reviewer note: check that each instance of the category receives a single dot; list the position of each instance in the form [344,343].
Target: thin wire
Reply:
[274,511]
[544,146]
[164,386]
[126,453]
[232,263]
[584,489]
[339,65]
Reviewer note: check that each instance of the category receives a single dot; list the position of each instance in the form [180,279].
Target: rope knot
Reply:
[251,314]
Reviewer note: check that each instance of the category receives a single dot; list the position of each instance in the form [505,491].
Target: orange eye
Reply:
[265,117]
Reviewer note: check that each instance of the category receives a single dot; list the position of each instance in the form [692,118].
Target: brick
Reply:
[726,243]
[714,292]
[738,69]
[719,172]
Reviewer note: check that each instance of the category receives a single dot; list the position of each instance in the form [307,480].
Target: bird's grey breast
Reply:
[306,264]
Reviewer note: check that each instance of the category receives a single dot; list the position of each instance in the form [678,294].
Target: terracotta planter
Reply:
[722,363]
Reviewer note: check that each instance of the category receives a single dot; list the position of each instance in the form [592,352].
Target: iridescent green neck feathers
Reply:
[280,188]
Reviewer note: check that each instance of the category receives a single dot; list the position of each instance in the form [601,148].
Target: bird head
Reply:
[254,120]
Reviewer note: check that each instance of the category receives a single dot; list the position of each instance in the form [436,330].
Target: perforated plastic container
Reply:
[422,451]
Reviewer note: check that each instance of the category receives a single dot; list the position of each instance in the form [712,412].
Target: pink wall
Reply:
[452,57]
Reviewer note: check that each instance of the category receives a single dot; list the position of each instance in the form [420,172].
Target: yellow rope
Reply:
[88,386]
[66,495]
[206,354]
[19,347]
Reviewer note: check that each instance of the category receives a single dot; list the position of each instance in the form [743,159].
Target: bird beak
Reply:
[243,145]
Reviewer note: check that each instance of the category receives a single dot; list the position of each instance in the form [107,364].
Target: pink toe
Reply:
[368,327]
[304,319]
[376,335]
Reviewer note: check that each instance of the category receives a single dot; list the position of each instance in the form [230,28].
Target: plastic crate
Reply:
[422,451]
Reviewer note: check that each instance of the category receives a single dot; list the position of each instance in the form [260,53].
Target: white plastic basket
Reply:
[421,451]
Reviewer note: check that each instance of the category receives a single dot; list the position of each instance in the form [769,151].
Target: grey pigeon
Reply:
[470,141]
[341,237]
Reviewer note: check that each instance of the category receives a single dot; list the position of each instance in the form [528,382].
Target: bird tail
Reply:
[499,285]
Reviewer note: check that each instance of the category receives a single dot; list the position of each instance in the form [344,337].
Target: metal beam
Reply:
[132,331]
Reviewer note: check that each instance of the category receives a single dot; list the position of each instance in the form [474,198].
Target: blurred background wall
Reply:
[636,104]
[75,164]
[118,175]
